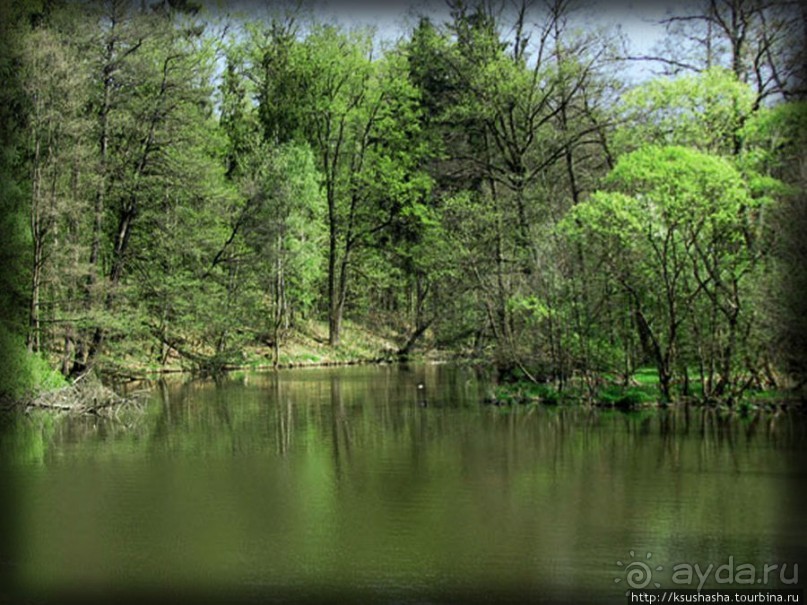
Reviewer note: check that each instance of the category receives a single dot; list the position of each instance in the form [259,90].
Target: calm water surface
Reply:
[304,483]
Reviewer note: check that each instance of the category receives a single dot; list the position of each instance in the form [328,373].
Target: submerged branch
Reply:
[84,397]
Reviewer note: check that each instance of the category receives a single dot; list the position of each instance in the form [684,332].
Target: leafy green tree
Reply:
[183,289]
[675,232]
[284,227]
[775,147]
[13,207]
[359,117]
[155,75]
[706,111]
[526,144]
[57,91]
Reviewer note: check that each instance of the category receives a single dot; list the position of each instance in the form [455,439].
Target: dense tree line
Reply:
[490,185]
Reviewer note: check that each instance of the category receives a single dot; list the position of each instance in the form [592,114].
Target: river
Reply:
[355,484]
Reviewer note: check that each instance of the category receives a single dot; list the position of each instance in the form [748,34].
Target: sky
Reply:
[395,18]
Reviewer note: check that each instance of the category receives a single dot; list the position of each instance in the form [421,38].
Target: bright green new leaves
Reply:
[681,233]
[704,111]
[283,224]
[657,190]
[678,184]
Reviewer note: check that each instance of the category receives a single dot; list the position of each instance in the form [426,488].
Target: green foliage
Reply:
[544,393]
[16,375]
[464,187]
[531,306]
[15,371]
[23,373]
[620,397]
[283,220]
[44,377]
[705,111]
[680,232]
[646,376]
[774,133]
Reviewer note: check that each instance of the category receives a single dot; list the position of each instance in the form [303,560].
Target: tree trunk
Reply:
[334,318]
[84,352]
[413,338]
[279,300]
[341,293]
[37,235]
[651,346]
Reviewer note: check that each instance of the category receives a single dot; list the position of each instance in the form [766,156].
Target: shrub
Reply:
[623,397]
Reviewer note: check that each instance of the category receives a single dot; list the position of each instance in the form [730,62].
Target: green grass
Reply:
[626,397]
[543,393]
[527,392]
[646,376]
[45,378]
[23,373]
[642,392]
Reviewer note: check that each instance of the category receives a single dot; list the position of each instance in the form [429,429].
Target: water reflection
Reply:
[340,480]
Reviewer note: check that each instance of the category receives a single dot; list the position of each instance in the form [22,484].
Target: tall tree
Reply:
[154,76]
[57,91]
[284,227]
[14,209]
[358,115]
[680,234]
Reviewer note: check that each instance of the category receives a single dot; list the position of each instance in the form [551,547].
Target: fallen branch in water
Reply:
[84,397]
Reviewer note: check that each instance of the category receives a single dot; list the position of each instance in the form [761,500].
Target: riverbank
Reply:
[131,363]
[88,395]
[640,392]
[306,346]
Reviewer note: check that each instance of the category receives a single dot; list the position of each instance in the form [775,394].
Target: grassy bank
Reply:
[23,374]
[305,346]
[641,390]
[31,382]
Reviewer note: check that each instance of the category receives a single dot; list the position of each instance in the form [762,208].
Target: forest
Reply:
[184,187]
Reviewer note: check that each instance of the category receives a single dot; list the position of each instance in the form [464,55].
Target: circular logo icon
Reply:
[637,574]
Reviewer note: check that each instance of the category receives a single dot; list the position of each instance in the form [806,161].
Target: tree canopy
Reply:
[177,189]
